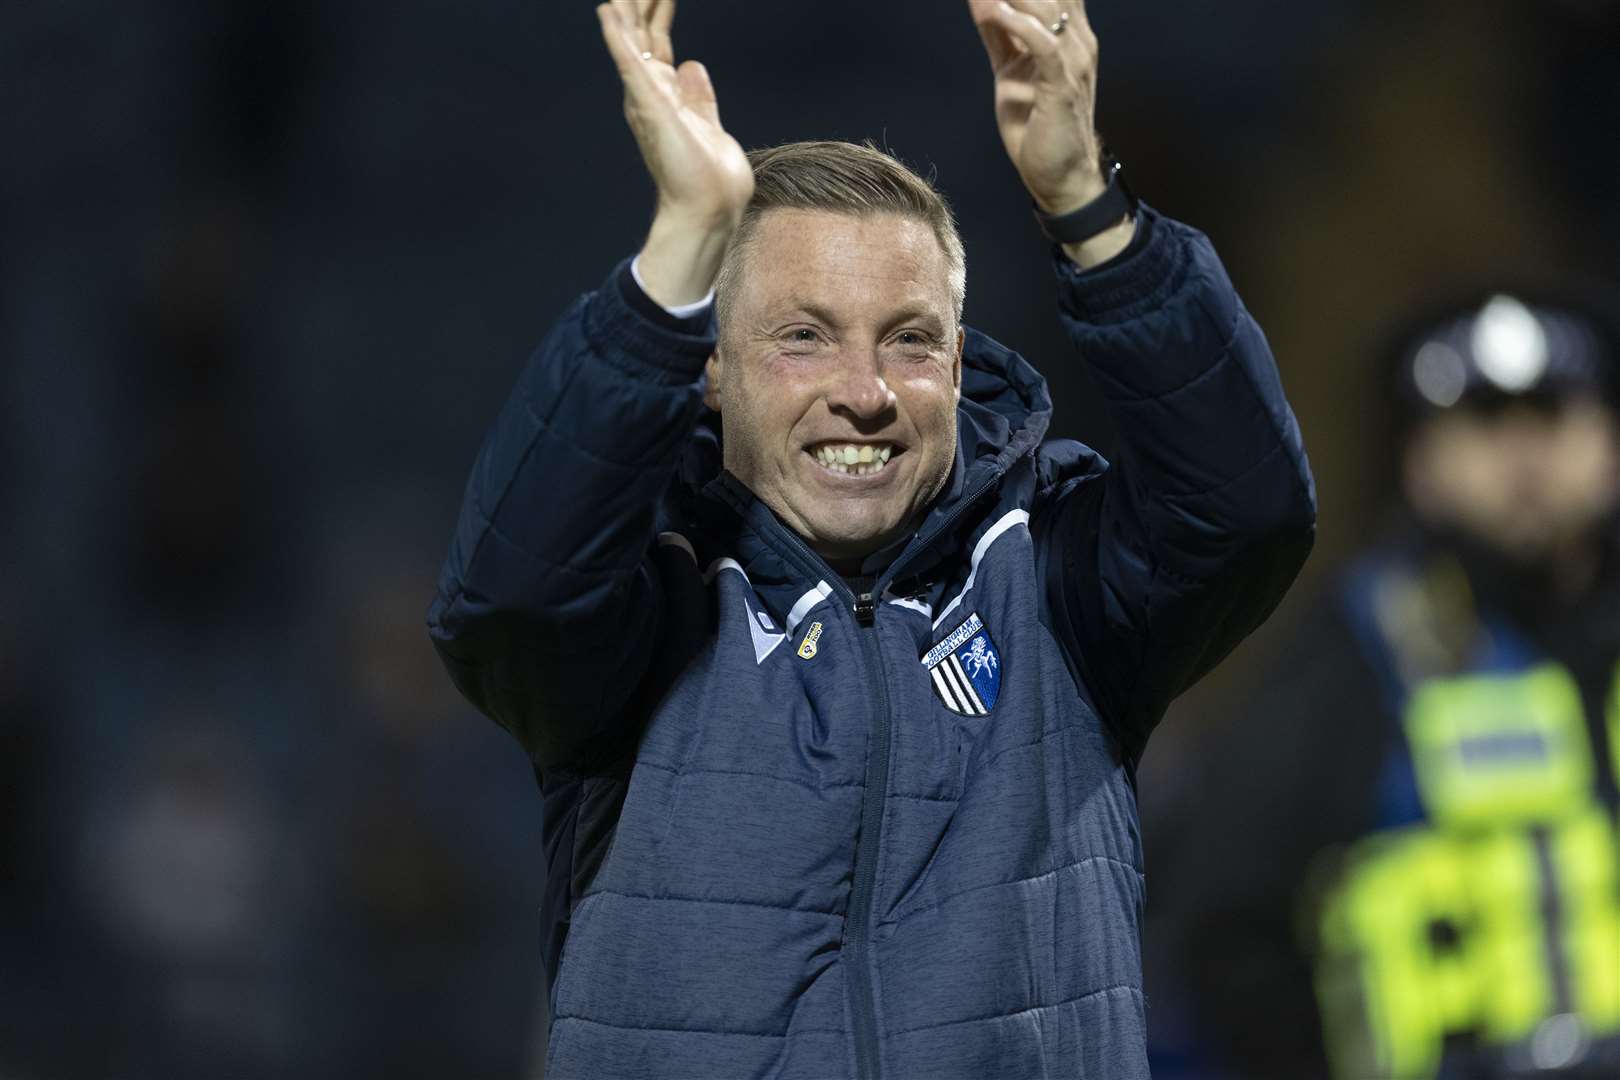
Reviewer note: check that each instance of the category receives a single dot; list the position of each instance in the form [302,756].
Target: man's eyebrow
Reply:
[916,313]
[913,313]
[815,311]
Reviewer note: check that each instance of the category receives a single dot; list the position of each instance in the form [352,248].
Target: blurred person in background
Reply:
[1405,859]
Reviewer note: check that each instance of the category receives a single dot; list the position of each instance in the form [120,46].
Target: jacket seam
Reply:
[1277,447]
[746,772]
[577,569]
[511,481]
[1228,340]
[639,369]
[699,1031]
[1005,750]
[1019,881]
[544,427]
[1301,489]
[1127,987]
[711,900]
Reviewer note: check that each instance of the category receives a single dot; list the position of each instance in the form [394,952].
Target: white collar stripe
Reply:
[993,533]
[802,606]
[675,539]
[913,603]
[724,563]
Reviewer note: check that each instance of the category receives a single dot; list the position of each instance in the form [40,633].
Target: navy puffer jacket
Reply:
[797,832]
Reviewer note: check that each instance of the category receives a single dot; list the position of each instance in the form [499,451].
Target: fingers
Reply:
[1050,12]
[659,17]
[621,45]
[1030,33]
[646,23]
[697,91]
[1000,46]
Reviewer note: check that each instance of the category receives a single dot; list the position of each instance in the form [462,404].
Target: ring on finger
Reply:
[646,56]
[1062,24]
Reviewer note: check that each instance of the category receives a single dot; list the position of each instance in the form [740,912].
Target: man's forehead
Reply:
[800,256]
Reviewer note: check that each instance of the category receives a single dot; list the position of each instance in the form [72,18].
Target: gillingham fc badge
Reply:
[965,668]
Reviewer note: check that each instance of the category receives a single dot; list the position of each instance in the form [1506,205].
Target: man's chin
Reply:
[842,529]
[843,541]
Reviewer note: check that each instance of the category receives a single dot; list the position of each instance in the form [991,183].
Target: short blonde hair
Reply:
[846,178]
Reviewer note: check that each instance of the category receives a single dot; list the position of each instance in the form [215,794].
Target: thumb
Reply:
[697,92]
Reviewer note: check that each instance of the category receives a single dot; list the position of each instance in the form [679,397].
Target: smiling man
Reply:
[834,671]
[840,367]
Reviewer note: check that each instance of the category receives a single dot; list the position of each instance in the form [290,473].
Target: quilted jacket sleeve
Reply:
[1170,557]
[547,601]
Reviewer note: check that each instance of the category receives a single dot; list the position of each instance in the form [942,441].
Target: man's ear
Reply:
[711,381]
[956,368]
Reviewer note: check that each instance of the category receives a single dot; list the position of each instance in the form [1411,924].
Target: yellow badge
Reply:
[807,647]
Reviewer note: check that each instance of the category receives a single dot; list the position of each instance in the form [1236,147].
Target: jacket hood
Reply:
[1005,408]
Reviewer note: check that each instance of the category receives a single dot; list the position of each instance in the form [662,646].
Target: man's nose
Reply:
[858,388]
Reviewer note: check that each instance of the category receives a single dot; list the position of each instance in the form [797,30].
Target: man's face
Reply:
[1527,482]
[841,342]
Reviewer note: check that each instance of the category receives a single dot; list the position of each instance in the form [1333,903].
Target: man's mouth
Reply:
[854,459]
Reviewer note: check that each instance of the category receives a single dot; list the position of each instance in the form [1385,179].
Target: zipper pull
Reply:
[865,609]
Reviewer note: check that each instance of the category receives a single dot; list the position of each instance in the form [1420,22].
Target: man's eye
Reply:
[914,339]
[803,335]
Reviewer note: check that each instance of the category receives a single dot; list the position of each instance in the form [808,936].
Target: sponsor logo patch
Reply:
[807,647]
[965,668]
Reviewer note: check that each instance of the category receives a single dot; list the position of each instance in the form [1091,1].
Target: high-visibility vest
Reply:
[1496,917]
[1429,934]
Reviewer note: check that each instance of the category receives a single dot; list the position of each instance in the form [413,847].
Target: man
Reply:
[1423,831]
[835,692]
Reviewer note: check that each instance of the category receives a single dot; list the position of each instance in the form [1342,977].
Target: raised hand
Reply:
[1044,56]
[702,174]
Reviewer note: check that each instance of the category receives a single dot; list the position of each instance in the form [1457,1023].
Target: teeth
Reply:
[852,460]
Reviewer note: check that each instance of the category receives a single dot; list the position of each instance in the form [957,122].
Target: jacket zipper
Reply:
[862,990]
[862,993]
[858,979]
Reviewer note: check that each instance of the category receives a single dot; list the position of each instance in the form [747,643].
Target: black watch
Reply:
[1098,215]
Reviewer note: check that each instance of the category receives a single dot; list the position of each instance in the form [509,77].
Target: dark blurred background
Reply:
[268,270]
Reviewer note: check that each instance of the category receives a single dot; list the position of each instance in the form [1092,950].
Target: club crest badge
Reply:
[966,669]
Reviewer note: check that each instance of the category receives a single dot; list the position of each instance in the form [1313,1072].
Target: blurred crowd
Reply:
[268,270]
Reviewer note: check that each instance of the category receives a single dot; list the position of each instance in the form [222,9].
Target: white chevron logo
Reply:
[765,642]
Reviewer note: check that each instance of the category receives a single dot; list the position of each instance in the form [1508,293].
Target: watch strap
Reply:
[1098,215]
